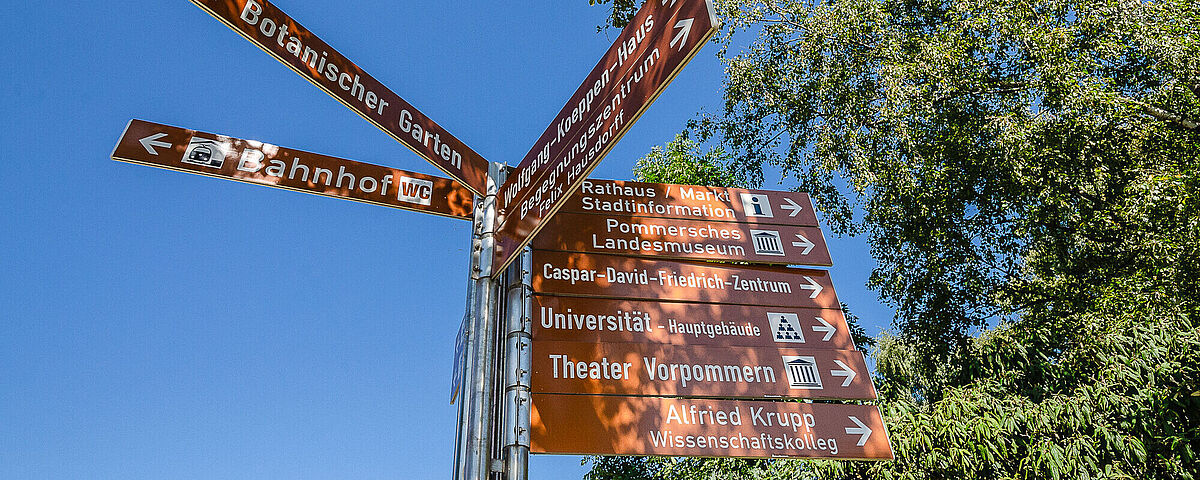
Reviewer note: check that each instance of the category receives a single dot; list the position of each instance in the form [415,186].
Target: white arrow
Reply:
[793,206]
[846,371]
[827,328]
[804,243]
[664,2]
[812,285]
[152,141]
[859,430]
[681,37]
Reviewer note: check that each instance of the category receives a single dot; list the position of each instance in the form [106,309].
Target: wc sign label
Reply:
[415,190]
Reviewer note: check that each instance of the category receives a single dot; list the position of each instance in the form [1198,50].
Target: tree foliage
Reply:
[686,162]
[622,11]
[1027,175]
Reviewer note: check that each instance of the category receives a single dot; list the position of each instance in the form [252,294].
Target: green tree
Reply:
[1027,176]
[686,162]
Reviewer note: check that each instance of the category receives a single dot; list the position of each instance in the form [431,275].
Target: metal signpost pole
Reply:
[473,442]
[517,366]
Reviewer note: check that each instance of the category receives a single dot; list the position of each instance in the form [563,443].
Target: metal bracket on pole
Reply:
[517,366]
[474,440]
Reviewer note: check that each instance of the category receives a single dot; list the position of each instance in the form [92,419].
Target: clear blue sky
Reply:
[156,324]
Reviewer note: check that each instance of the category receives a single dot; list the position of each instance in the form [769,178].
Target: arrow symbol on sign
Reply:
[681,37]
[846,371]
[794,207]
[152,141]
[824,327]
[812,285]
[861,429]
[804,243]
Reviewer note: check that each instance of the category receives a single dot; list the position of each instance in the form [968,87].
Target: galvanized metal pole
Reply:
[473,456]
[517,365]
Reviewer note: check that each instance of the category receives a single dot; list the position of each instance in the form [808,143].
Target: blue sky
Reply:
[163,325]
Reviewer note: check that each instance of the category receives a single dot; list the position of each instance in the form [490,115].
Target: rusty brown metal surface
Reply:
[612,276]
[263,24]
[579,319]
[699,371]
[605,425]
[646,56]
[684,239]
[259,163]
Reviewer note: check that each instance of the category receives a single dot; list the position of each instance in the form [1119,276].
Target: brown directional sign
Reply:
[690,202]
[699,371]
[603,425]
[578,319]
[662,37]
[594,275]
[298,48]
[260,163]
[684,239]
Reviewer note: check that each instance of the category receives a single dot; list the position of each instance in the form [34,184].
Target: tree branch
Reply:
[1161,114]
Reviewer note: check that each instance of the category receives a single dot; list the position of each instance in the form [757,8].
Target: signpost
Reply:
[692,202]
[265,25]
[611,276]
[574,348]
[250,161]
[684,239]
[603,425]
[606,320]
[662,37]
[699,371]
[613,333]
